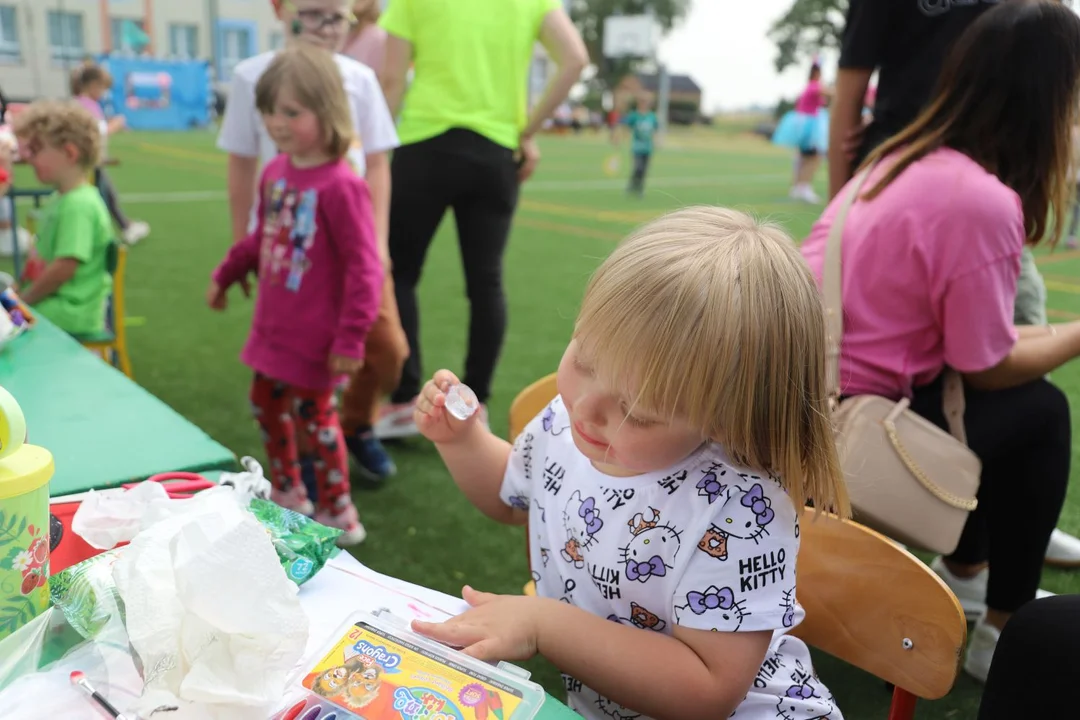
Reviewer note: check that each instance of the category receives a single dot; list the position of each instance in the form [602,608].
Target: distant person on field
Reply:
[89,83]
[325,24]
[643,126]
[468,142]
[62,143]
[806,128]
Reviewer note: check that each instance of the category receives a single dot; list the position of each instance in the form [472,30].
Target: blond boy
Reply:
[62,143]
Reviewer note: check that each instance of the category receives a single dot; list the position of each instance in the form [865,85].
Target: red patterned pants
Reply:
[284,413]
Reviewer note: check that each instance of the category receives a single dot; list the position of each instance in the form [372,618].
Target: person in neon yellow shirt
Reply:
[467,143]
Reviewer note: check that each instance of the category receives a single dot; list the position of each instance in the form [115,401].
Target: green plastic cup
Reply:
[25,471]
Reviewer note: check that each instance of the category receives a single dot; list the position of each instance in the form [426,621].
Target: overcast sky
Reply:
[722,45]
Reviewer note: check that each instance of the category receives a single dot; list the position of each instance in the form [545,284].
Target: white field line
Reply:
[196,196]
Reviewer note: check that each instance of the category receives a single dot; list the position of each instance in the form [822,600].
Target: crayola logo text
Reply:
[378,653]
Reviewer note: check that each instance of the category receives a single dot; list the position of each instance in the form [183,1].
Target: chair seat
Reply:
[102,337]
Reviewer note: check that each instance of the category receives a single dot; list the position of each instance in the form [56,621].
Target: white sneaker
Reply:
[396,421]
[984,640]
[135,231]
[971,592]
[1063,550]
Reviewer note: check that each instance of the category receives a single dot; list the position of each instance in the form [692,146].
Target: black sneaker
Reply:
[372,461]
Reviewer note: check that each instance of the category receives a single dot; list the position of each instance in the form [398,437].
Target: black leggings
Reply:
[1023,437]
[1035,662]
[108,194]
[637,178]
[478,179]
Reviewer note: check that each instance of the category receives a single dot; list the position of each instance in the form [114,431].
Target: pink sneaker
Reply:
[346,519]
[396,421]
[295,499]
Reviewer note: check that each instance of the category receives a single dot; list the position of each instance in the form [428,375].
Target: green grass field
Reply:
[571,214]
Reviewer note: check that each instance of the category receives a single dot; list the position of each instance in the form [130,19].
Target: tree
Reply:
[589,16]
[808,27]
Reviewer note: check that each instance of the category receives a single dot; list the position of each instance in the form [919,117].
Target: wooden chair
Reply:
[868,601]
[876,606]
[112,342]
[528,404]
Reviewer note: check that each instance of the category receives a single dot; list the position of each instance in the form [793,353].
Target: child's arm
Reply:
[239,137]
[693,674]
[116,123]
[378,178]
[52,278]
[379,137]
[241,260]
[241,183]
[352,234]
[475,457]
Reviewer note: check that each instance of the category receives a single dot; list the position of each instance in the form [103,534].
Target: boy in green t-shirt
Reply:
[62,143]
[643,125]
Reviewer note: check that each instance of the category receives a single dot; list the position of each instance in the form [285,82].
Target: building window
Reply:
[128,34]
[66,36]
[184,41]
[236,46]
[9,36]
[277,40]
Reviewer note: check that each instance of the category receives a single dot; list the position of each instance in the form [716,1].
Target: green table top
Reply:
[552,709]
[102,428]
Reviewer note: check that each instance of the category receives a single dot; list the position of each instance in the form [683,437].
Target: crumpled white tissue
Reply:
[249,483]
[216,623]
[106,518]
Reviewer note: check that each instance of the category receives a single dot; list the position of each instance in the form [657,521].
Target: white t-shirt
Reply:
[244,133]
[705,544]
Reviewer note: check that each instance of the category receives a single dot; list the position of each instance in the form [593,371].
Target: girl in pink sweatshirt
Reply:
[319,281]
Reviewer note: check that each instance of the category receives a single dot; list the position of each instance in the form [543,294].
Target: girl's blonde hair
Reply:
[313,77]
[709,315]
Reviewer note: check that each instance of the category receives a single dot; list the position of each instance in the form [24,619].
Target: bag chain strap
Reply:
[951,499]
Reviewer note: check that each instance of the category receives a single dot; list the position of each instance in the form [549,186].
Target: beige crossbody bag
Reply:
[907,478]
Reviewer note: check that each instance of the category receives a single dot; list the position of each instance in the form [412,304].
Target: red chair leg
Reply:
[903,705]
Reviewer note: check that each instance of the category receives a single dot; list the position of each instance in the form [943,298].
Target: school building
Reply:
[41,40]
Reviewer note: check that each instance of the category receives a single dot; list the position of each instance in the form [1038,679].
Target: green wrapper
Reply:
[303,546]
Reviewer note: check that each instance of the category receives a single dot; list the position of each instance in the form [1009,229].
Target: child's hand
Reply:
[341,365]
[215,297]
[430,415]
[498,627]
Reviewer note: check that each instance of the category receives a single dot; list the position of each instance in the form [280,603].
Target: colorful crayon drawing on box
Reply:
[381,676]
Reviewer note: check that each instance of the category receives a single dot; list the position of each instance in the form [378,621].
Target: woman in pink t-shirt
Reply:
[367,41]
[930,259]
[806,128]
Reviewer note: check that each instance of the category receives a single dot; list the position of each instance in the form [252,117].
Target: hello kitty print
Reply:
[706,545]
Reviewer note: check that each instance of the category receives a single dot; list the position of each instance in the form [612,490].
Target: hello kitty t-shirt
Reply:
[705,544]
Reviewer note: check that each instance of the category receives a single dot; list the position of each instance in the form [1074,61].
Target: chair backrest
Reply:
[529,402]
[874,605]
[116,262]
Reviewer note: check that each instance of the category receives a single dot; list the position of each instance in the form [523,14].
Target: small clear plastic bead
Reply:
[461,401]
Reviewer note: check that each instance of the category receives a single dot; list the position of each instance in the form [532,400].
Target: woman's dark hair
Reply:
[815,71]
[1007,98]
